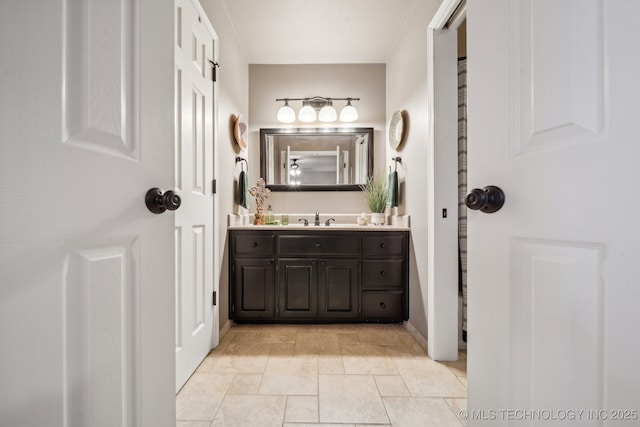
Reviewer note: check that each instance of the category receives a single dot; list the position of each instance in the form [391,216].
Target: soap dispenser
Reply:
[270,218]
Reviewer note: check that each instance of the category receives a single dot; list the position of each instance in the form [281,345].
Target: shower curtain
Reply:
[462,189]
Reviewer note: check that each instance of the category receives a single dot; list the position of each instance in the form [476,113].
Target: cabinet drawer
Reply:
[254,244]
[384,244]
[319,245]
[383,305]
[382,273]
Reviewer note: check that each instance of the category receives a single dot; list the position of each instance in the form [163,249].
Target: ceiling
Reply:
[318,31]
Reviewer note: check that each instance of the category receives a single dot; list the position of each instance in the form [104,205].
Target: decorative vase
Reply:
[259,218]
[377,218]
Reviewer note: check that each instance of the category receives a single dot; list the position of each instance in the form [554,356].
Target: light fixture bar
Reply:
[311,106]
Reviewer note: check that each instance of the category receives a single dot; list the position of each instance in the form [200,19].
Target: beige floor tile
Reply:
[373,365]
[388,337]
[398,350]
[463,380]
[426,378]
[200,397]
[362,350]
[348,338]
[248,349]
[244,336]
[193,423]
[456,406]
[317,344]
[392,386]
[459,367]
[419,412]
[301,409]
[239,410]
[276,337]
[290,375]
[330,365]
[283,349]
[350,399]
[245,384]
[235,364]
[321,425]
[373,425]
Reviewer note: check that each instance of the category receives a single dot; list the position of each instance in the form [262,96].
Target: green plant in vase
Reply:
[375,194]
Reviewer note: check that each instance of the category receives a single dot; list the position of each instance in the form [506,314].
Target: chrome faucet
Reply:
[317,221]
[328,222]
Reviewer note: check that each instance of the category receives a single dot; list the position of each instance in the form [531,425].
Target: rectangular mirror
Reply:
[310,159]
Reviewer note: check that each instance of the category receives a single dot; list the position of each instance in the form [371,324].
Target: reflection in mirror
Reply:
[309,159]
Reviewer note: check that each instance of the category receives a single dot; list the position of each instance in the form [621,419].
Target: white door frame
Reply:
[442,148]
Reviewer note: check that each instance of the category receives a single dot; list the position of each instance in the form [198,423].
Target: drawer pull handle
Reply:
[382,245]
[317,245]
[383,273]
[255,244]
[382,305]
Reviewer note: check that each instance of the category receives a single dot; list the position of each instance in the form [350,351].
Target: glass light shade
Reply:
[286,114]
[328,114]
[348,113]
[307,114]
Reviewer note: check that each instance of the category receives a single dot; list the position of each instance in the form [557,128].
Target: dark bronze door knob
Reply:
[158,200]
[488,199]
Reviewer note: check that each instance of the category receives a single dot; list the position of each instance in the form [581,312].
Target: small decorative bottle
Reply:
[270,219]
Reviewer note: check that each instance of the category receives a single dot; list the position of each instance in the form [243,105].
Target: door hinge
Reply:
[215,298]
[214,186]
[214,70]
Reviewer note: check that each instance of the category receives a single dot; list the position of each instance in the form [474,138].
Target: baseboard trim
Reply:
[421,339]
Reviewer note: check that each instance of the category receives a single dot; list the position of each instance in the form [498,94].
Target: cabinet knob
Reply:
[382,305]
[383,273]
[317,245]
[255,244]
[382,245]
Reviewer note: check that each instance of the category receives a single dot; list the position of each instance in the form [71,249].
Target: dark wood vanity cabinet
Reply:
[318,276]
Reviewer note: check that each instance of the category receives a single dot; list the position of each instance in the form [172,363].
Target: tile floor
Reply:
[322,375]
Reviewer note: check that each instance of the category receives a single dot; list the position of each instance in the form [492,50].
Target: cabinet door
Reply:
[338,285]
[298,288]
[253,291]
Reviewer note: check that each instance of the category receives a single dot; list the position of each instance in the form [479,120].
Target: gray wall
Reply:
[407,90]
[233,99]
[268,82]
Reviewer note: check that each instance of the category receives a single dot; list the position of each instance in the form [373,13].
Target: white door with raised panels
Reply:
[196,316]
[554,275]
[87,272]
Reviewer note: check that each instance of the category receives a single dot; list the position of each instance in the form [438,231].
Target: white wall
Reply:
[268,82]
[233,99]
[407,90]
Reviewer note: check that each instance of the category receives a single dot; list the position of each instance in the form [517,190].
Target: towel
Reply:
[392,190]
[242,190]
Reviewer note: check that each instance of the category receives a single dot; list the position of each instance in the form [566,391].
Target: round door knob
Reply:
[158,200]
[489,199]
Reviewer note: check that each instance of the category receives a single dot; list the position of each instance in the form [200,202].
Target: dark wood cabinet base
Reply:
[319,276]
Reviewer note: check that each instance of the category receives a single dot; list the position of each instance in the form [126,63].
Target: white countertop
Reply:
[311,227]
[342,222]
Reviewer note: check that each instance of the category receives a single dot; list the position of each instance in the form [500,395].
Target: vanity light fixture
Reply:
[286,113]
[295,168]
[317,108]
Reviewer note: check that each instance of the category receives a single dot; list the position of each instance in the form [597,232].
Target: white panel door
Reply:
[86,288]
[196,317]
[553,276]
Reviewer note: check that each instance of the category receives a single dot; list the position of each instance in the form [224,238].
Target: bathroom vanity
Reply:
[312,274]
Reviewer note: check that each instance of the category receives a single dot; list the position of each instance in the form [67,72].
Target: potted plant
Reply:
[375,193]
